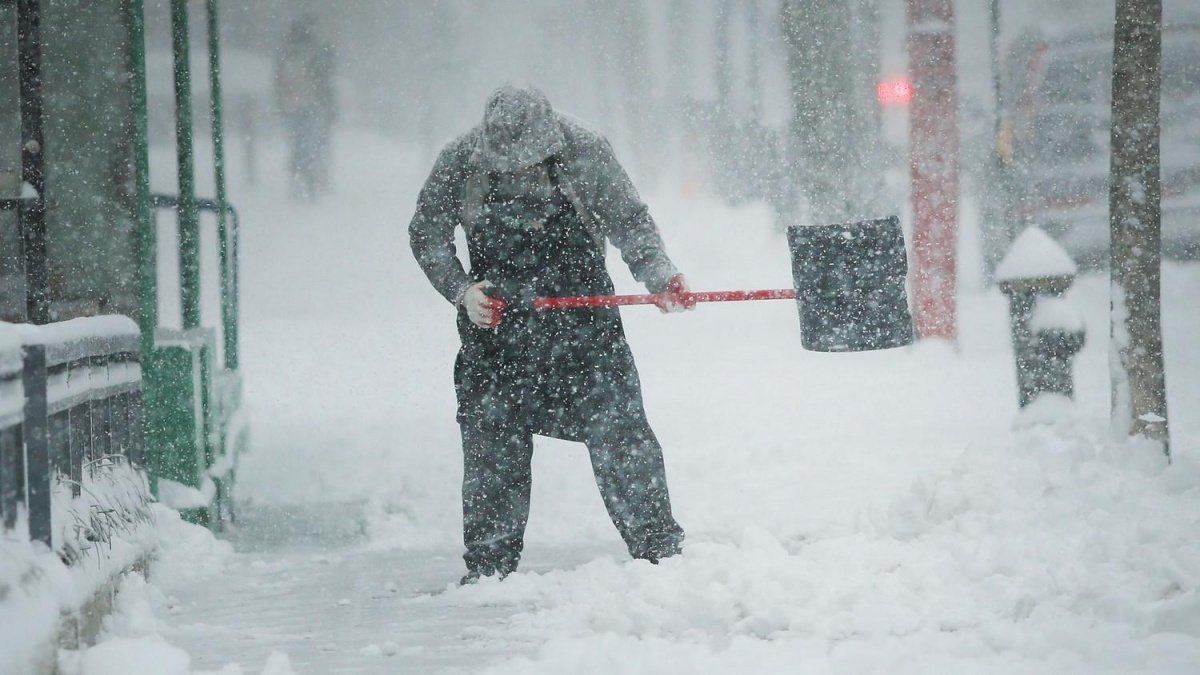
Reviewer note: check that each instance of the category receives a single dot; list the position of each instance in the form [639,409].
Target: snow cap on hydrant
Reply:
[1035,254]
[520,129]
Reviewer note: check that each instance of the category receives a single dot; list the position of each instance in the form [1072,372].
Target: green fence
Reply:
[84,177]
[194,425]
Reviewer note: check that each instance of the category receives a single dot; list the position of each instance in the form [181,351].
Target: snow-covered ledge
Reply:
[56,588]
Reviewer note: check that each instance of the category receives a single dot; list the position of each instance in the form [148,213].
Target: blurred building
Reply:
[89,155]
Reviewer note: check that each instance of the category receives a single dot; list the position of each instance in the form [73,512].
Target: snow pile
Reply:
[106,528]
[106,326]
[1057,551]
[150,654]
[29,604]
[179,496]
[188,553]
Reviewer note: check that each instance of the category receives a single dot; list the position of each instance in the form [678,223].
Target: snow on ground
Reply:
[1054,551]
[131,639]
[844,511]
[107,528]
[33,582]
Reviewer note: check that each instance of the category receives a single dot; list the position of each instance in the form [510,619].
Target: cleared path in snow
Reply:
[303,584]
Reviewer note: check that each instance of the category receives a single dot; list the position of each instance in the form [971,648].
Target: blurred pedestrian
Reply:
[307,102]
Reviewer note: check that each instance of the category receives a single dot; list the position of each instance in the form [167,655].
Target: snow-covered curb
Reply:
[134,639]
[112,526]
[45,595]
[41,598]
[32,584]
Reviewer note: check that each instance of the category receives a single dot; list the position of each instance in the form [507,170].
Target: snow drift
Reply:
[1055,550]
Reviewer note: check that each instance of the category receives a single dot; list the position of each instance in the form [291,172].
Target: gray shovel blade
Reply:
[850,285]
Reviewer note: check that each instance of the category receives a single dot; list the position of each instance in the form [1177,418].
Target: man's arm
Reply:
[626,221]
[431,232]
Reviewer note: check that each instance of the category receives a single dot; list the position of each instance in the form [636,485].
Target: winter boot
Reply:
[658,546]
[474,576]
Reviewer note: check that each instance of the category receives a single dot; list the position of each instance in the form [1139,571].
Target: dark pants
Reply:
[626,460]
[567,375]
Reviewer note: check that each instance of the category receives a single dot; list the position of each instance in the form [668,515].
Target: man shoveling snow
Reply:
[537,195]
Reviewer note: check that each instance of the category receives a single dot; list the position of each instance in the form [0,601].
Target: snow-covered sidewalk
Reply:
[886,511]
[1050,550]
[1053,550]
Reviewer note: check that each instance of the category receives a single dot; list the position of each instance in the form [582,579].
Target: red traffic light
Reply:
[894,91]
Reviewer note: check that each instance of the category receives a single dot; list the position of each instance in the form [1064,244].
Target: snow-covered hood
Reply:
[519,129]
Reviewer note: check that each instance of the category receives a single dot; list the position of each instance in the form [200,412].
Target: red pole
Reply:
[933,164]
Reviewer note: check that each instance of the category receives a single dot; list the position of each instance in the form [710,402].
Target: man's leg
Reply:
[293,157]
[324,160]
[496,483]
[308,139]
[628,463]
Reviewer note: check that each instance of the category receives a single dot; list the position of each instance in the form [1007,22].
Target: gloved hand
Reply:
[672,298]
[483,310]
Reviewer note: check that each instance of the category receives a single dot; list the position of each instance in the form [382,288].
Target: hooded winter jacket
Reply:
[591,178]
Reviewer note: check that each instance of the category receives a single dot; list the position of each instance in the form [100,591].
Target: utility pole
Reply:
[994,54]
[31,221]
[724,58]
[754,77]
[834,131]
[997,195]
[933,165]
[1139,388]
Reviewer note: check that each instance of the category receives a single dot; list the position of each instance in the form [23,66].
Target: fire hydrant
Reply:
[1047,330]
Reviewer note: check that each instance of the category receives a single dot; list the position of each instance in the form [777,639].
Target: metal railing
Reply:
[192,428]
[70,395]
[193,431]
[227,251]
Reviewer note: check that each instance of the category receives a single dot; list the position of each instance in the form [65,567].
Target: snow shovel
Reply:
[849,287]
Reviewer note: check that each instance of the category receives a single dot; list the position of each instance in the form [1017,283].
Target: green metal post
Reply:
[189,216]
[147,250]
[235,231]
[228,309]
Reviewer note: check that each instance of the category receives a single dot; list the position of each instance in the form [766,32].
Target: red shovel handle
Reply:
[653,298]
